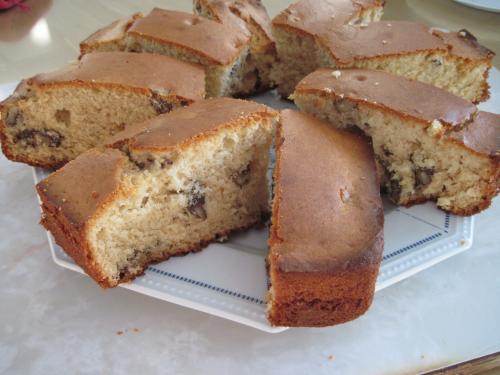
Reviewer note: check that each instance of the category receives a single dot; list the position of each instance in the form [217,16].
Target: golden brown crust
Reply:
[240,14]
[465,45]
[318,16]
[477,132]
[326,237]
[336,298]
[482,135]
[114,34]
[328,211]
[157,73]
[219,43]
[80,198]
[71,203]
[349,43]
[426,102]
[185,124]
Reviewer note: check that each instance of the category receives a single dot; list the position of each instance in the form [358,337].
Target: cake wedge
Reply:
[251,17]
[222,49]
[326,236]
[161,188]
[430,145]
[52,118]
[305,42]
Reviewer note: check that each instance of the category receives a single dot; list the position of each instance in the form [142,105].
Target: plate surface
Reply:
[488,5]
[229,280]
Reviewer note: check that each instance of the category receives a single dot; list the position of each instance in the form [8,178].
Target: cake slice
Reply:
[452,61]
[429,144]
[109,38]
[51,118]
[326,237]
[222,49]
[295,31]
[162,188]
[251,18]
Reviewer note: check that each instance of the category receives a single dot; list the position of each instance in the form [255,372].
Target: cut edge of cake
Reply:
[140,195]
[52,117]
[462,178]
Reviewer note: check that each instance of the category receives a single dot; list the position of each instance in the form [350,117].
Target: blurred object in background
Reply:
[16,22]
[7,4]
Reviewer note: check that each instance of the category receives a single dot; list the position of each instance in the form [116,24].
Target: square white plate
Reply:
[229,280]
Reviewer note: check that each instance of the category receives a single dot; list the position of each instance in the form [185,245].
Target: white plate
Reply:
[488,5]
[229,280]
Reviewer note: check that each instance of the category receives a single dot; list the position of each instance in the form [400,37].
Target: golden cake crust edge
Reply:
[320,296]
[457,138]
[69,224]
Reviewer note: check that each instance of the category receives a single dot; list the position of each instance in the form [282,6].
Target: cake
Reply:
[429,144]
[165,187]
[51,118]
[326,237]
[109,38]
[222,49]
[251,17]
[452,61]
[295,28]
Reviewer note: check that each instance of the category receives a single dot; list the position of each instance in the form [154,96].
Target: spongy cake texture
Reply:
[167,187]
[53,117]
[429,144]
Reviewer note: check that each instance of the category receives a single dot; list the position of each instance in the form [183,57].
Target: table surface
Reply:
[58,321]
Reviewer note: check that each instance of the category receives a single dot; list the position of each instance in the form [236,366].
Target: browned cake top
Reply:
[327,212]
[185,124]
[84,185]
[159,73]
[409,98]
[239,12]
[313,16]
[210,39]
[482,135]
[115,31]
[464,44]
[349,43]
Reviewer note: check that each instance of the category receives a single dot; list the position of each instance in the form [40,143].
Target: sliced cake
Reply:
[222,49]
[165,187]
[109,38]
[251,17]
[326,237]
[429,144]
[452,61]
[295,31]
[51,118]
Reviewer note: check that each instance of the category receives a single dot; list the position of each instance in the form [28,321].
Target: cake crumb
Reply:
[328,90]
[384,41]
[462,242]
[331,357]
[119,333]
[291,97]
[135,330]
[435,128]
[336,74]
